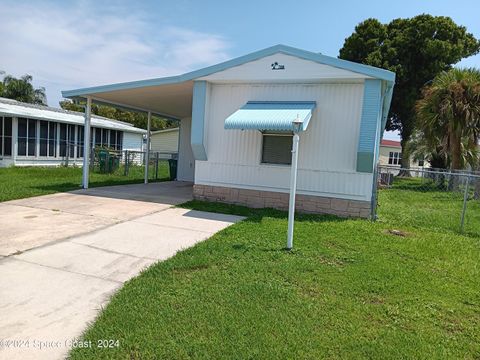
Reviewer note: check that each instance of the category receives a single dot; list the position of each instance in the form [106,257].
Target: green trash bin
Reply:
[116,162]
[172,166]
[103,161]
[113,163]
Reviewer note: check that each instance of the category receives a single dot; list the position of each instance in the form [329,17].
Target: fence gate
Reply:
[131,164]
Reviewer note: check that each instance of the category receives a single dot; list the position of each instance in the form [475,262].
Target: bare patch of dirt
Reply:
[396,232]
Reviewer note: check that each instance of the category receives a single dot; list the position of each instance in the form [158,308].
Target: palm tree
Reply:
[22,90]
[449,115]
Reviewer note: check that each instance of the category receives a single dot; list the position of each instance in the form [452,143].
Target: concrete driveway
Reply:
[64,255]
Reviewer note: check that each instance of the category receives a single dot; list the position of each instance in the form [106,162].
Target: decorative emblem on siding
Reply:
[277,66]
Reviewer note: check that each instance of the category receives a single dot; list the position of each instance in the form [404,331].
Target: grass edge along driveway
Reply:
[349,289]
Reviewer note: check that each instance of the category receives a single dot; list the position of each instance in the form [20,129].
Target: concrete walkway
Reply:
[64,255]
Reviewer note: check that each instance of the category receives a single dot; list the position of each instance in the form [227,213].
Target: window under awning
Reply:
[271,115]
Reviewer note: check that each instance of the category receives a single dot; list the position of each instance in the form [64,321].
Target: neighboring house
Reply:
[236,121]
[391,155]
[165,141]
[39,135]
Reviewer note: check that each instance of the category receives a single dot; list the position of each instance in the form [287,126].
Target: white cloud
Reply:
[76,45]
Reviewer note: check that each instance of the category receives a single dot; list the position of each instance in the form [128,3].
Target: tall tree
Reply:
[21,89]
[416,49]
[449,115]
[1,83]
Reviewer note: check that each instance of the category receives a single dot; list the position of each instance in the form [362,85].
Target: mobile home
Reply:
[237,121]
[33,135]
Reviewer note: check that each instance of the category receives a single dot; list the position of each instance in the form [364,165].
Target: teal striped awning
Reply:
[271,115]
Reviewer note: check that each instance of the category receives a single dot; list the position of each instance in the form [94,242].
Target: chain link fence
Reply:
[131,163]
[441,194]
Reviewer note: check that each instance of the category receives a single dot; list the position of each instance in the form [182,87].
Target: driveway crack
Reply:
[68,271]
[112,251]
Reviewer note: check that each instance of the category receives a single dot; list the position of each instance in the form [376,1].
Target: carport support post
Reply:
[293,185]
[147,150]
[86,143]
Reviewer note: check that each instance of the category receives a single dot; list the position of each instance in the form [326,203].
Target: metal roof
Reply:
[171,97]
[391,143]
[15,108]
[271,115]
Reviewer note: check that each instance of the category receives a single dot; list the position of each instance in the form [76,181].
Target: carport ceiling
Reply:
[174,100]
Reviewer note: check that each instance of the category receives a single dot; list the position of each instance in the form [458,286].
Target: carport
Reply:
[169,98]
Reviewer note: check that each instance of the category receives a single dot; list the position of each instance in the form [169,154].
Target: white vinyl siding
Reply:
[165,141]
[327,153]
[132,141]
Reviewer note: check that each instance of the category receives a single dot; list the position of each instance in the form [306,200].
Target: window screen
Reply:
[22,137]
[63,140]
[98,137]
[80,136]
[105,137]
[113,139]
[43,138]
[32,137]
[7,136]
[52,139]
[277,149]
[119,140]
[71,141]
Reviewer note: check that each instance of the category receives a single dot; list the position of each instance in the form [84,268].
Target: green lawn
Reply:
[349,289]
[22,182]
[419,205]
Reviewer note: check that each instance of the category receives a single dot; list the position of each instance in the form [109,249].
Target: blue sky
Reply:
[71,44]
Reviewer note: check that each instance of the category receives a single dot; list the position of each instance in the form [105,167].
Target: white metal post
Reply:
[86,143]
[293,189]
[147,150]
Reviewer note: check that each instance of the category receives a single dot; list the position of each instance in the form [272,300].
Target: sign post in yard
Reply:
[293,182]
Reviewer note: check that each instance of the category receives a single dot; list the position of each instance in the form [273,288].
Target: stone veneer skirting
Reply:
[277,200]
